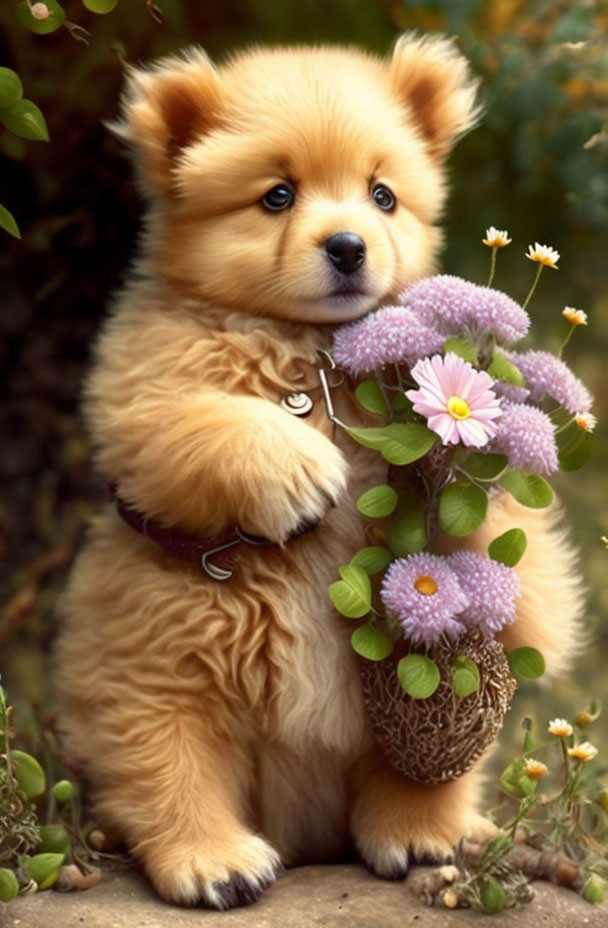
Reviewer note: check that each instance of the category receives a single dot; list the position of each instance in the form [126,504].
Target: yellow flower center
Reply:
[426,585]
[458,408]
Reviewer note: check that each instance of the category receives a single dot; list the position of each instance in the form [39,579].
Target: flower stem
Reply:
[492,267]
[565,341]
[533,287]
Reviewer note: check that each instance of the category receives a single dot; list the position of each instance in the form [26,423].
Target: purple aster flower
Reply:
[452,304]
[527,436]
[547,375]
[424,595]
[508,391]
[491,589]
[388,336]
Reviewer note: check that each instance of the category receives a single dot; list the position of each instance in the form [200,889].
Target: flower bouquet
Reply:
[465,417]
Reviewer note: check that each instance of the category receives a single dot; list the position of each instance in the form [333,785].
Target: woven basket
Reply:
[438,739]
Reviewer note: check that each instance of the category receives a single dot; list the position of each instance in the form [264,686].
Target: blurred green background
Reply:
[537,166]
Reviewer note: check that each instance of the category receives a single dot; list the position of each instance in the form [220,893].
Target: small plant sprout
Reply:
[495,239]
[544,256]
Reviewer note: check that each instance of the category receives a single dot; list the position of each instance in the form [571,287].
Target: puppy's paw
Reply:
[304,480]
[230,875]
[391,859]
[480,829]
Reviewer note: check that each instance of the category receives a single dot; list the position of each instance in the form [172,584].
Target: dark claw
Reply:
[240,891]
[432,860]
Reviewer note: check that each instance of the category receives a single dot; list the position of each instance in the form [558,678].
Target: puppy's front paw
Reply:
[303,481]
[223,877]
[390,858]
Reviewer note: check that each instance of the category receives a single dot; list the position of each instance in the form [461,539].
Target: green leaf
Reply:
[41,26]
[25,120]
[509,547]
[462,347]
[502,369]
[30,775]
[574,447]
[371,643]
[44,869]
[401,403]
[419,675]
[7,222]
[462,508]
[352,595]
[372,560]
[492,895]
[398,443]
[464,674]
[527,662]
[55,840]
[63,790]
[100,6]
[595,889]
[378,502]
[9,885]
[11,88]
[530,490]
[514,782]
[485,466]
[406,532]
[371,397]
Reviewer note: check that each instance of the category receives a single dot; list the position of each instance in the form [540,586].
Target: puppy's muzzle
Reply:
[346,251]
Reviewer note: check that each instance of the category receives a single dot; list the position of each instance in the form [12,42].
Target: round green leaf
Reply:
[401,403]
[527,662]
[398,443]
[371,643]
[462,347]
[595,889]
[509,547]
[371,397]
[574,447]
[11,88]
[100,6]
[30,775]
[462,508]
[9,885]
[406,533]
[7,222]
[530,490]
[419,675]
[378,502]
[464,674]
[501,369]
[485,466]
[352,595]
[63,790]
[25,120]
[372,560]
[41,26]
[44,869]
[493,896]
[55,840]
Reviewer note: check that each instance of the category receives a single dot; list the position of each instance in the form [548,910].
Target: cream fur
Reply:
[221,726]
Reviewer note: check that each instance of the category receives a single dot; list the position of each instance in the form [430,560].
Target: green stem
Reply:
[533,287]
[566,340]
[492,267]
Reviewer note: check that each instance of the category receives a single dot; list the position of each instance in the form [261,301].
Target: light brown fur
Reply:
[221,725]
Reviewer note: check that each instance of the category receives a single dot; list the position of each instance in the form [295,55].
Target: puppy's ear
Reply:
[431,76]
[165,108]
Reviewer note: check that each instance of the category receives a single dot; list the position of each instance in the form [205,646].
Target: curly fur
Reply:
[221,726]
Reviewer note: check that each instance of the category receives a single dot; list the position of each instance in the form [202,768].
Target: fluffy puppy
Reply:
[221,725]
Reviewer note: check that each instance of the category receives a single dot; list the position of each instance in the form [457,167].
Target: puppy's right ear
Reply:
[164,109]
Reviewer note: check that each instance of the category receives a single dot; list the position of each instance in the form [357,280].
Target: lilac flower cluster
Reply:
[452,305]
[388,336]
[431,595]
[527,436]
[547,375]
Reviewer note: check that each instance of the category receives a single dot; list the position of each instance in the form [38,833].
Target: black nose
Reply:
[346,251]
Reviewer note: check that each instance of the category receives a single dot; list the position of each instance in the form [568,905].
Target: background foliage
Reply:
[537,165]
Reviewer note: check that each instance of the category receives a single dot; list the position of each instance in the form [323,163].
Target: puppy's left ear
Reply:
[434,80]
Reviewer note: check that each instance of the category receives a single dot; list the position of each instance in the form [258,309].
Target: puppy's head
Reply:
[299,183]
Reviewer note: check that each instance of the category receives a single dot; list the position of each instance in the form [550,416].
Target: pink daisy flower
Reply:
[456,400]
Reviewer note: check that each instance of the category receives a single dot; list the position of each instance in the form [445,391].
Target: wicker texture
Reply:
[438,739]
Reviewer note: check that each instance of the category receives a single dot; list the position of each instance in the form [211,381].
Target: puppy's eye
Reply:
[279,197]
[384,198]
